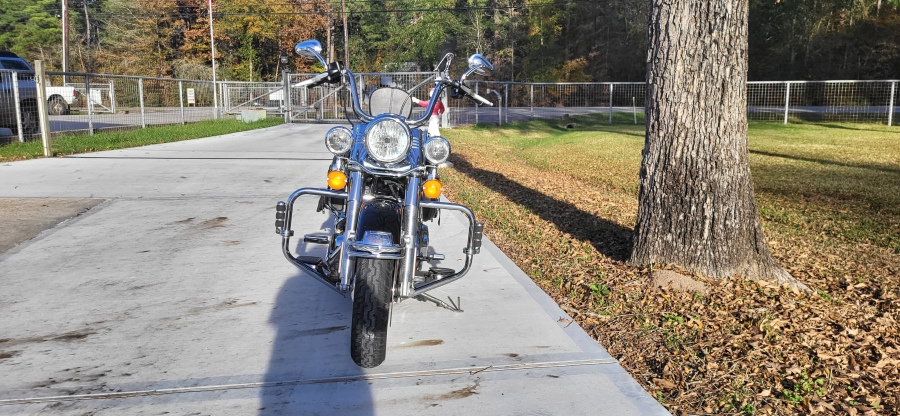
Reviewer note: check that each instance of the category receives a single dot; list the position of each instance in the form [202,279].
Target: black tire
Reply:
[371,311]
[56,106]
[30,120]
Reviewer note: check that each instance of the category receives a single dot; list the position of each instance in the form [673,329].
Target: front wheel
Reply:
[30,120]
[56,106]
[371,311]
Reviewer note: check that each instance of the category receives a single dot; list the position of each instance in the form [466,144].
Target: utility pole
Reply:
[65,39]
[346,36]
[212,46]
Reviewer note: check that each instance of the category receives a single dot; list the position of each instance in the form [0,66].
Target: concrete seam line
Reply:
[361,377]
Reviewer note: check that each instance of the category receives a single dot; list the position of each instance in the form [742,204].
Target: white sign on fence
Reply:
[191,99]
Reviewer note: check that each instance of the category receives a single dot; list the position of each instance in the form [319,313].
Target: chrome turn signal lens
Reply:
[437,150]
[338,140]
[432,188]
[337,180]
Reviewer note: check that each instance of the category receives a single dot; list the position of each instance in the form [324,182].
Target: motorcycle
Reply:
[383,186]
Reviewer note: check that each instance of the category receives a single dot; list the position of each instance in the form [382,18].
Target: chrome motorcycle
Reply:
[383,186]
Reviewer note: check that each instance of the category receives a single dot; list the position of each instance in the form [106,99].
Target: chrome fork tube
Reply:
[410,227]
[354,200]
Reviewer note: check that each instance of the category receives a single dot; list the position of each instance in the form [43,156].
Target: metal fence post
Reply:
[476,104]
[41,80]
[506,98]
[891,105]
[141,97]
[787,100]
[286,96]
[90,104]
[223,97]
[610,102]
[634,109]
[532,101]
[181,100]
[18,104]
[499,108]
[112,97]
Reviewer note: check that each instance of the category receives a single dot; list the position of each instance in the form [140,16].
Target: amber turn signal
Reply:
[337,180]
[432,188]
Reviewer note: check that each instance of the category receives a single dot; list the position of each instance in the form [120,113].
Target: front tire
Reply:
[30,120]
[371,311]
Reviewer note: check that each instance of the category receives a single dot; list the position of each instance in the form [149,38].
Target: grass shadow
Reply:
[827,162]
[579,123]
[608,237]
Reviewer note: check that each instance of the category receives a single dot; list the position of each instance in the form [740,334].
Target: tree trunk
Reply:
[696,203]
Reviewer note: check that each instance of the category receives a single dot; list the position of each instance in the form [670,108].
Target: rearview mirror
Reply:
[311,49]
[478,64]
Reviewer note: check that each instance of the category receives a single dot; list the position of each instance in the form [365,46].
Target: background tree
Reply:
[527,40]
[30,28]
[696,203]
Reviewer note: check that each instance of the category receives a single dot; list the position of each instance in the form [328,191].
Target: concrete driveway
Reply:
[172,297]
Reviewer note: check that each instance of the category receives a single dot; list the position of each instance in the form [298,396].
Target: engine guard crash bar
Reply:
[286,233]
[472,248]
[473,242]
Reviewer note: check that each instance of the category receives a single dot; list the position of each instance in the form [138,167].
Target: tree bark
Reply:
[696,202]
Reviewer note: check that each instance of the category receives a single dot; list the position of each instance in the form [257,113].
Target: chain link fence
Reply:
[783,101]
[18,105]
[519,101]
[81,102]
[824,101]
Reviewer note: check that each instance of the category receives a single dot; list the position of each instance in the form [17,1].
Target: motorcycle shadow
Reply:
[310,350]
[609,238]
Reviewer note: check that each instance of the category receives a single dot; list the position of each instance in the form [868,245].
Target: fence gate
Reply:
[237,96]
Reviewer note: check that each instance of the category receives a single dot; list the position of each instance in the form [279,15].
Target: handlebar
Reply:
[439,87]
[312,82]
[468,91]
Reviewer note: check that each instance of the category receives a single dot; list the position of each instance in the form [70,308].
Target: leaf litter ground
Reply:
[562,204]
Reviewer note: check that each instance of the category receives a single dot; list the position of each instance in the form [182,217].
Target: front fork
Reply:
[408,233]
[354,200]
[408,238]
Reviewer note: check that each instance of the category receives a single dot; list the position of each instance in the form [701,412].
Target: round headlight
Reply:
[387,140]
[437,150]
[338,140]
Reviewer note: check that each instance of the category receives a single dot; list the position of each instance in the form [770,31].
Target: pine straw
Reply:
[744,347]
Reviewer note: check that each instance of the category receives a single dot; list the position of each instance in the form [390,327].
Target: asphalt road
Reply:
[172,296]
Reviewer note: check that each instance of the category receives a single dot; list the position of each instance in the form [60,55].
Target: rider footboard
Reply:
[473,245]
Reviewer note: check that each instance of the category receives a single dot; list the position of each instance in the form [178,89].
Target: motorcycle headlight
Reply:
[387,140]
[338,140]
[437,150]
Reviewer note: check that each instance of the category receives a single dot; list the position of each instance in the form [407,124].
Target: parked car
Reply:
[27,95]
[59,99]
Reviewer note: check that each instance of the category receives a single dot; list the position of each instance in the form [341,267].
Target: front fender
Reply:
[380,215]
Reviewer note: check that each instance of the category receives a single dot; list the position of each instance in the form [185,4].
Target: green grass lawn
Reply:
[838,179]
[82,142]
